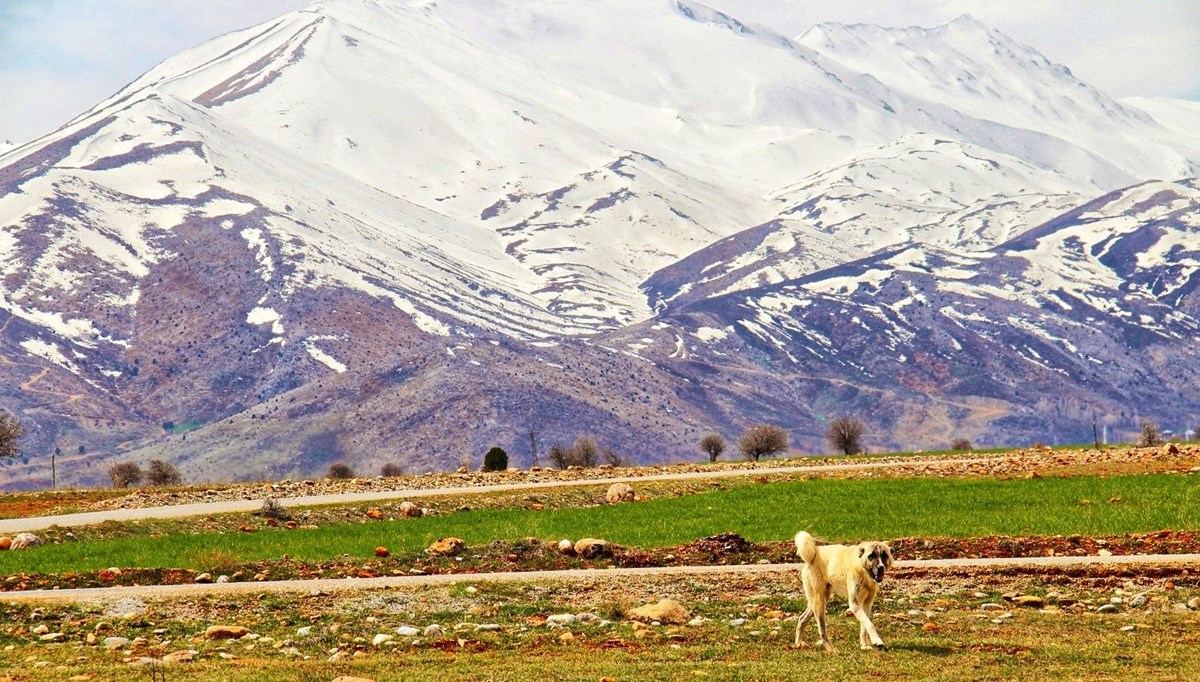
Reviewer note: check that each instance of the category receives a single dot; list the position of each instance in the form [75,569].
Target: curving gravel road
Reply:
[235,506]
[106,594]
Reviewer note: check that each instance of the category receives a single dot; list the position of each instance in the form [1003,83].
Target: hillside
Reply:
[389,231]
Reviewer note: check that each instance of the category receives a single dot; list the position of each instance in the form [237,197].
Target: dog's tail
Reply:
[806,547]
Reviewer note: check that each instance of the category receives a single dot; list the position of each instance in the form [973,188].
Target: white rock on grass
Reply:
[561,619]
[433,631]
[381,638]
[407,631]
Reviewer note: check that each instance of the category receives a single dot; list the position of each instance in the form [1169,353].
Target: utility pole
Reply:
[1095,433]
[533,447]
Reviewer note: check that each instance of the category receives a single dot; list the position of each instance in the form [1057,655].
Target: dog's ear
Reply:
[861,550]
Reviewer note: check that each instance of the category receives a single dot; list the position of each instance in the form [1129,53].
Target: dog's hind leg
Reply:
[804,618]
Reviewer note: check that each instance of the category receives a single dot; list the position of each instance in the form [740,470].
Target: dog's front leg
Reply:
[866,629]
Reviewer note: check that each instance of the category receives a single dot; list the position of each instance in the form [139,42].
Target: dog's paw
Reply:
[879,646]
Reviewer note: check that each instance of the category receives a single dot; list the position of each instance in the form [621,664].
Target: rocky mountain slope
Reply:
[376,231]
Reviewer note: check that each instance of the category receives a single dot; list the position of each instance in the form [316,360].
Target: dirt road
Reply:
[329,586]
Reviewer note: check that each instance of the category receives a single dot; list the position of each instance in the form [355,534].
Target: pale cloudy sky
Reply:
[60,57]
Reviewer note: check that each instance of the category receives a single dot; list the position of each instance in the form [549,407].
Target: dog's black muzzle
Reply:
[877,574]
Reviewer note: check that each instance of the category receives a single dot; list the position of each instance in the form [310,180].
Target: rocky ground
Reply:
[1035,461]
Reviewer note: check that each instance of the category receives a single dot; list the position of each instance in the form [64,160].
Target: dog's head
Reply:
[876,558]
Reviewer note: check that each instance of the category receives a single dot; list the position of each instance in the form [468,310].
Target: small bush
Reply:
[1151,435]
[160,473]
[764,439]
[125,474]
[341,470]
[960,444]
[496,459]
[845,435]
[11,432]
[274,509]
[391,470]
[713,445]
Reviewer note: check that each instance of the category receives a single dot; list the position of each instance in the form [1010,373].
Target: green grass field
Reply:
[832,509]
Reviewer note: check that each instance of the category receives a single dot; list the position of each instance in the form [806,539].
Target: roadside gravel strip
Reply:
[236,506]
[105,594]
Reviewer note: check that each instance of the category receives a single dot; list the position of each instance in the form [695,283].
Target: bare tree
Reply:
[125,474]
[960,444]
[764,439]
[10,436]
[391,470]
[584,453]
[159,472]
[713,445]
[1151,435]
[845,434]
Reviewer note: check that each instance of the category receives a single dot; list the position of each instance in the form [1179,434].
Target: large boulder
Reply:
[410,510]
[619,492]
[666,611]
[25,541]
[593,548]
[447,547]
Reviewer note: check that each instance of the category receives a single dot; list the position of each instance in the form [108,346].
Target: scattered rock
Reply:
[991,606]
[1194,603]
[737,622]
[433,631]
[562,619]
[203,578]
[41,629]
[566,547]
[348,678]
[1108,608]
[930,627]
[1170,449]
[1030,601]
[304,631]
[619,492]
[374,514]
[447,547]
[381,638]
[487,627]
[408,631]
[1139,601]
[24,541]
[226,632]
[409,510]
[382,552]
[52,637]
[115,642]
[185,656]
[666,611]
[593,548]
[5,543]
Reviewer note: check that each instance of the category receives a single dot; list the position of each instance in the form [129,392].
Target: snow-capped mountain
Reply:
[373,224]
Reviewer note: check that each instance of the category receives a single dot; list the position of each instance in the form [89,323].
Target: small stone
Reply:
[698,620]
[1138,601]
[930,627]
[1108,608]
[409,510]
[381,638]
[374,514]
[991,606]
[203,578]
[1194,603]
[382,552]
[566,547]
[52,637]
[408,631]
[5,543]
[561,619]
[487,627]
[433,631]
[566,637]
[304,631]
[619,492]
[348,678]
[1129,628]
[41,629]
[737,622]
[226,632]
[115,642]
[222,579]
[1104,552]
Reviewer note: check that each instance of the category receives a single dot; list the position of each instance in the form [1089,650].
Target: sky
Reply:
[58,58]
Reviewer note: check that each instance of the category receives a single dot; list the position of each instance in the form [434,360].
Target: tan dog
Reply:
[853,573]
